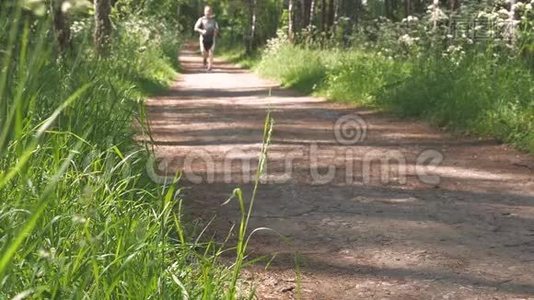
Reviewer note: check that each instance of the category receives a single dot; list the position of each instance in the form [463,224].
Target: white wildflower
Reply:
[410,19]
[66,6]
[51,254]
[519,5]
[503,12]
[77,219]
[43,253]
[407,40]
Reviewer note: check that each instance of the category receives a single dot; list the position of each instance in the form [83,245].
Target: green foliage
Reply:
[295,67]
[79,216]
[358,76]
[437,65]
[480,93]
[234,19]
[236,53]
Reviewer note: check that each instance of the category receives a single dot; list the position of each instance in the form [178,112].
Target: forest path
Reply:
[364,219]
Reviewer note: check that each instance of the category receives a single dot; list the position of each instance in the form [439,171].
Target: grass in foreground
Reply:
[79,216]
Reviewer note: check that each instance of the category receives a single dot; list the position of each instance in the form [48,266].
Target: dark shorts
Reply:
[207,43]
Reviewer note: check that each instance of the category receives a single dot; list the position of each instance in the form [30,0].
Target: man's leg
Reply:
[205,56]
[203,52]
[211,54]
[210,58]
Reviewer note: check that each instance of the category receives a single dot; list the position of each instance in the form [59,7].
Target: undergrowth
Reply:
[80,217]
[480,94]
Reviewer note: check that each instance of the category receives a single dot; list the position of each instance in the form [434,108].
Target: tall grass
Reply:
[236,53]
[78,216]
[481,94]
[302,69]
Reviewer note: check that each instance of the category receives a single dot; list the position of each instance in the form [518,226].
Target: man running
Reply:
[208,29]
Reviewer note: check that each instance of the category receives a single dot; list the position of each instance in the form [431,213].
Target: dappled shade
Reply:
[469,235]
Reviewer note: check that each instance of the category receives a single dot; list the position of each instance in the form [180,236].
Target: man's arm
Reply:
[216,33]
[197,27]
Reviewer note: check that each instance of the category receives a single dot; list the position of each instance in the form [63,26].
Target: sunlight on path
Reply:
[360,219]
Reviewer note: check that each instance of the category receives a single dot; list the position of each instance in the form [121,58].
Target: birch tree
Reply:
[291,12]
[312,12]
[252,12]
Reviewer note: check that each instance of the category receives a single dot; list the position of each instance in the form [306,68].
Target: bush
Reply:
[465,90]
[358,76]
[480,94]
[301,68]
[79,216]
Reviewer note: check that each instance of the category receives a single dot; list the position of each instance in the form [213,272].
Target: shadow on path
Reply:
[374,228]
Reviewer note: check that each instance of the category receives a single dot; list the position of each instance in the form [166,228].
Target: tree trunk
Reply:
[435,9]
[252,25]
[61,27]
[408,8]
[102,32]
[331,13]
[388,6]
[395,9]
[511,26]
[359,11]
[324,14]
[290,23]
[305,12]
[312,12]
[297,15]
[454,5]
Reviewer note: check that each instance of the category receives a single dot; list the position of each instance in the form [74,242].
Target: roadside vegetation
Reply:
[467,66]
[80,217]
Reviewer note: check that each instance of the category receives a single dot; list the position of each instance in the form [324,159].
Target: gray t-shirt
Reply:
[209,25]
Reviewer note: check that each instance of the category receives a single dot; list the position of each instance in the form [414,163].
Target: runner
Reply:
[208,29]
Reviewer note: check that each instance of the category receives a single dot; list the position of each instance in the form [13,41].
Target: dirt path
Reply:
[357,234]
